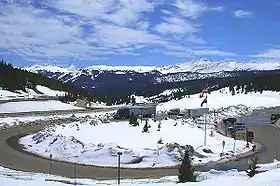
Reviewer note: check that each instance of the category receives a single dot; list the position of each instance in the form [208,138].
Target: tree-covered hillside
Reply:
[13,79]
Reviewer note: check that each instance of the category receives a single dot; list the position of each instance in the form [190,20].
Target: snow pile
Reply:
[217,115]
[33,106]
[223,98]
[270,166]
[49,92]
[212,178]
[45,119]
[97,143]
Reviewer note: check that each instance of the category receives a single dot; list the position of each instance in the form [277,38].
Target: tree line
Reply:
[13,79]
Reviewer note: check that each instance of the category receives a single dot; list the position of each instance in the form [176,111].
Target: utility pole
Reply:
[119,167]
[234,144]
[75,173]
[50,165]
[205,130]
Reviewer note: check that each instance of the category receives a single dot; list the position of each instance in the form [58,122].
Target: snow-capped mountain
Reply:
[112,79]
[200,65]
[203,65]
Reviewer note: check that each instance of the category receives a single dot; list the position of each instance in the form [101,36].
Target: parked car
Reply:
[274,118]
[175,111]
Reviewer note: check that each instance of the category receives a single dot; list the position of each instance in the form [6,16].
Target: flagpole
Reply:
[205,130]
[205,125]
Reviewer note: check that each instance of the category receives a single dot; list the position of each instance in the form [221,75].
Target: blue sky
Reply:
[137,32]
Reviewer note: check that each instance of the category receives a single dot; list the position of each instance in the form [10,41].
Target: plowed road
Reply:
[11,156]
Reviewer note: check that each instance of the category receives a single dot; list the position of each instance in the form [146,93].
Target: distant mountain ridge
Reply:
[200,65]
[152,80]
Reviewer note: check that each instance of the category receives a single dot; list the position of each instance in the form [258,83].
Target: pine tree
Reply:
[186,171]
[133,120]
[146,128]
[160,141]
[159,126]
[133,100]
[252,171]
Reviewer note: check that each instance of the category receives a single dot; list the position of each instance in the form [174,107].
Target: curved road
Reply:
[13,157]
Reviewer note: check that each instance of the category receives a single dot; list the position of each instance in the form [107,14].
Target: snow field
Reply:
[223,98]
[30,93]
[49,92]
[32,106]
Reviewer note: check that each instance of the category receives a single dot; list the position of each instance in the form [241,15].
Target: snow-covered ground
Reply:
[142,149]
[97,143]
[5,94]
[49,92]
[22,120]
[223,98]
[31,106]
[40,91]
[212,178]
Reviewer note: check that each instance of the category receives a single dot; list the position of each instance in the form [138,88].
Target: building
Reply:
[194,112]
[145,110]
[81,103]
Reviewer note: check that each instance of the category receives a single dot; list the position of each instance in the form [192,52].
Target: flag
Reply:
[206,90]
[204,101]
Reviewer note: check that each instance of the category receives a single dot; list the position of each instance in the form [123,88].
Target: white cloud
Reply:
[206,52]
[84,29]
[194,9]
[187,52]
[121,12]
[241,14]
[271,53]
[190,8]
[218,8]
[176,25]
[116,36]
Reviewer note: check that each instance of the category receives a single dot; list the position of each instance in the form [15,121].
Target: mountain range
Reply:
[145,79]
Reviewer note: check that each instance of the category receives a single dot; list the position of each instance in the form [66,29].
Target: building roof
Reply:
[139,106]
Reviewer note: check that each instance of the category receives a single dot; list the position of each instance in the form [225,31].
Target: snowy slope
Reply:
[41,91]
[7,94]
[223,98]
[49,92]
[32,106]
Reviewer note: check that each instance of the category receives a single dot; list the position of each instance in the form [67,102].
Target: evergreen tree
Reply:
[252,171]
[146,128]
[133,100]
[133,120]
[160,141]
[159,126]
[186,171]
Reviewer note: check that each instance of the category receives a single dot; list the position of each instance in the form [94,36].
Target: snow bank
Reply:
[223,98]
[31,106]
